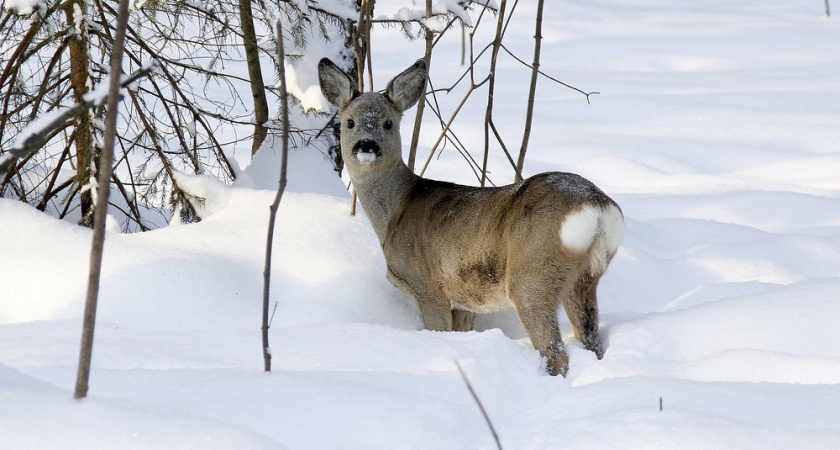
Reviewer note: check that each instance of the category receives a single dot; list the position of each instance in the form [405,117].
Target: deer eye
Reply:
[350,123]
[388,125]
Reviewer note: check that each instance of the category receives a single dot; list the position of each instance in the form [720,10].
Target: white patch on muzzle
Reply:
[366,158]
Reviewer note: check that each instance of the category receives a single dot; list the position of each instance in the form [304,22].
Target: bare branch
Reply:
[480,406]
[587,94]
[33,141]
[281,187]
[535,69]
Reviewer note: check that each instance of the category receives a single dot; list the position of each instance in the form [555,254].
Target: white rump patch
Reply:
[612,225]
[366,157]
[595,230]
[579,228]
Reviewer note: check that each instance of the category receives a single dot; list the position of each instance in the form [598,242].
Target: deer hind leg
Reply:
[581,307]
[536,305]
[541,325]
[462,320]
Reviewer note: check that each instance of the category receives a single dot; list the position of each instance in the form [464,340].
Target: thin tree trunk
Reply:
[369,5]
[281,187]
[80,81]
[535,72]
[361,49]
[463,43]
[488,117]
[358,45]
[101,211]
[252,55]
[421,105]
[827,9]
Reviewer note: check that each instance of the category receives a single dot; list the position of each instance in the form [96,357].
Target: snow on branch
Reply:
[35,135]
[344,10]
[25,7]
[340,9]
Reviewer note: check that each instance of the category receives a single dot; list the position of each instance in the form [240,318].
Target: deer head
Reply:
[370,122]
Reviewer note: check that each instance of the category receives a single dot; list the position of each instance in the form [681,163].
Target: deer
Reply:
[458,250]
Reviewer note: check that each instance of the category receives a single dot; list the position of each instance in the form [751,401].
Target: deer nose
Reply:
[367,146]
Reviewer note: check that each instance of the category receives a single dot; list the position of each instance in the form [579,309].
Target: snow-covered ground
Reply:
[717,129]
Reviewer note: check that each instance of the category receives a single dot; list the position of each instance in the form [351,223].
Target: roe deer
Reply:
[459,250]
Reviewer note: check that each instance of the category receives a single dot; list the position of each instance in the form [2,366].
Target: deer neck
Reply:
[383,194]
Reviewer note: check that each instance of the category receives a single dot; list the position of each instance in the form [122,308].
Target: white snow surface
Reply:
[716,130]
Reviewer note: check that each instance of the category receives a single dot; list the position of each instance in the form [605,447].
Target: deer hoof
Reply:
[558,363]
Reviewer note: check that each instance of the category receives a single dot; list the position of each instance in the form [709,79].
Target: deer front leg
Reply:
[434,307]
[436,312]
[462,320]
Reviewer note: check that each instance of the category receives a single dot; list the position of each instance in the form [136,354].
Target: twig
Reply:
[271,319]
[478,402]
[421,104]
[587,94]
[161,154]
[488,116]
[473,86]
[535,69]
[281,187]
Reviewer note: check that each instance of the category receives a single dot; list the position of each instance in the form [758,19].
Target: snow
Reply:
[452,7]
[302,72]
[715,131]
[23,7]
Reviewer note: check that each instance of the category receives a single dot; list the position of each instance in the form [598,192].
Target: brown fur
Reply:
[459,250]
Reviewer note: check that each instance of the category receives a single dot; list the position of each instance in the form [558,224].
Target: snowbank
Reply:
[716,132]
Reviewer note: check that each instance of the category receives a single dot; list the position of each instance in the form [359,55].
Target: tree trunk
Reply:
[535,72]
[491,81]
[252,55]
[81,83]
[421,104]
[101,210]
[281,187]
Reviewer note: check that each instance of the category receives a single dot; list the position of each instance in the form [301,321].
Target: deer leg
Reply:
[537,307]
[434,309]
[436,313]
[462,320]
[581,307]
[541,325]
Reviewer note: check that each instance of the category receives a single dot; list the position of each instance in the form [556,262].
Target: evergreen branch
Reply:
[35,139]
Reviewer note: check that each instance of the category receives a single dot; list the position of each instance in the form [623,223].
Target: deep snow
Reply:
[717,131]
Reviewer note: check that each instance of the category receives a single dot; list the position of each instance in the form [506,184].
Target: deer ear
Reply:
[407,88]
[337,87]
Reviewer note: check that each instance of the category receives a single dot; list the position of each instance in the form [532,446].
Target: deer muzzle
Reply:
[367,150]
